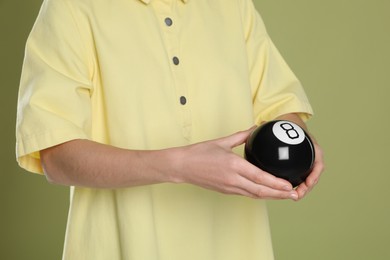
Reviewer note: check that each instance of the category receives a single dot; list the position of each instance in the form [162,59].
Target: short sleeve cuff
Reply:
[28,147]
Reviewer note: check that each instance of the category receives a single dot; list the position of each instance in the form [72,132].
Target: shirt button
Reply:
[183,100]
[168,21]
[175,60]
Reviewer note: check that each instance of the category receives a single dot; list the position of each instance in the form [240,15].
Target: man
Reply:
[142,107]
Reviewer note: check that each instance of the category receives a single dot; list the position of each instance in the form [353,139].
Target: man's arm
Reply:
[211,165]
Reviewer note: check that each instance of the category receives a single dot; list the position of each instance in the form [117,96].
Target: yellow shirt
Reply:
[153,74]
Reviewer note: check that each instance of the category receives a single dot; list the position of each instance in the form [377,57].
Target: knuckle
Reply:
[320,167]
[260,193]
[233,163]
[226,191]
[259,178]
[230,181]
[323,167]
[229,191]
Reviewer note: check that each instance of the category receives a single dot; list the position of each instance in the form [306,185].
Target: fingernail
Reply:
[287,188]
[294,196]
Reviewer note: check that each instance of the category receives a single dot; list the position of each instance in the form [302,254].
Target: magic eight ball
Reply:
[283,149]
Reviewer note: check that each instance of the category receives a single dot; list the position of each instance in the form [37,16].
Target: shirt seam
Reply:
[91,67]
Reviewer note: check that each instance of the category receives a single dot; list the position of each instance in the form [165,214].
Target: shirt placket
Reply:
[170,25]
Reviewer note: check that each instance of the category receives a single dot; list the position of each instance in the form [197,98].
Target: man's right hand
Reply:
[213,165]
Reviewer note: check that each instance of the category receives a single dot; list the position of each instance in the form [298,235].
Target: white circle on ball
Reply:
[288,132]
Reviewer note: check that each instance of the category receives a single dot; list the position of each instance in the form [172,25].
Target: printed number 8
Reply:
[290,130]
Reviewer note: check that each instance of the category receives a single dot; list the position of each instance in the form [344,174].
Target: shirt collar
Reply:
[148,1]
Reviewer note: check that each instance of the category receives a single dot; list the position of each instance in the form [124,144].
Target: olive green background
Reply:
[340,51]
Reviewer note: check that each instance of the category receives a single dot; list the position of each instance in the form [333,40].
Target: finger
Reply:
[236,139]
[239,191]
[314,176]
[318,165]
[304,188]
[263,192]
[258,176]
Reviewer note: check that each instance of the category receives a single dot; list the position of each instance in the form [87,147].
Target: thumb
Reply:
[236,139]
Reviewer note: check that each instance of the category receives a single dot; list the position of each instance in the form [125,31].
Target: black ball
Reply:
[283,149]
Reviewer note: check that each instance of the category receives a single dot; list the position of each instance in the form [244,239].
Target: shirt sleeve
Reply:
[55,87]
[275,88]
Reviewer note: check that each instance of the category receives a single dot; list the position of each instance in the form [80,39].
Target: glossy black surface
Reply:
[262,150]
